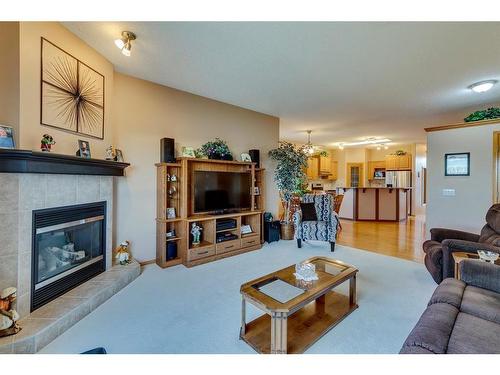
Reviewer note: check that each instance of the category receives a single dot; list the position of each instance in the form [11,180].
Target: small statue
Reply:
[47,142]
[123,254]
[8,316]
[110,153]
[196,232]
[173,178]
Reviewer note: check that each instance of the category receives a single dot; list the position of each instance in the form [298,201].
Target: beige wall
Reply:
[9,76]
[30,129]
[146,112]
[473,194]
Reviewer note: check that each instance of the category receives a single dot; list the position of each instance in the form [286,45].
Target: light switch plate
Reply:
[448,192]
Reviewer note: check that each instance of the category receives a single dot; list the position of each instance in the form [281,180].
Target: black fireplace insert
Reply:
[68,248]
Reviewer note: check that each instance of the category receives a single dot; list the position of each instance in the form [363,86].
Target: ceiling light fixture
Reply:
[483,86]
[368,141]
[125,42]
[309,145]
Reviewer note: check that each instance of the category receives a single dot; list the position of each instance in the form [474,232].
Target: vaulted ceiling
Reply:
[343,80]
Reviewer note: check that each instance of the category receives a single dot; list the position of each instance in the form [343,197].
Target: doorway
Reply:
[354,174]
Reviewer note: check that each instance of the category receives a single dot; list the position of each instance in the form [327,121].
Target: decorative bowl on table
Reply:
[488,256]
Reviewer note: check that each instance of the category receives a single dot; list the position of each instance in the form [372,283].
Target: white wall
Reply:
[474,194]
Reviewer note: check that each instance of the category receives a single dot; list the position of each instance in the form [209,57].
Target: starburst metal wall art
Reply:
[72,93]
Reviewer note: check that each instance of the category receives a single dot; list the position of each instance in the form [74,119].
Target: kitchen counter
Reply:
[375,203]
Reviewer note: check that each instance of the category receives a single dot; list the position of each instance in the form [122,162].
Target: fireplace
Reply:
[68,248]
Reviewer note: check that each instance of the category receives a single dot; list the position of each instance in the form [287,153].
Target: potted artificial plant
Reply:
[216,149]
[291,162]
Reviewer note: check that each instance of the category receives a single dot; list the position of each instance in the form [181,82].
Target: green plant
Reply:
[323,153]
[486,114]
[291,161]
[400,153]
[216,149]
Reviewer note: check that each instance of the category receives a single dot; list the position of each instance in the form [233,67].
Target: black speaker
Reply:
[255,156]
[167,150]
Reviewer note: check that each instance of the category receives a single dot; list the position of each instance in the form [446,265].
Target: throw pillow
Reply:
[308,212]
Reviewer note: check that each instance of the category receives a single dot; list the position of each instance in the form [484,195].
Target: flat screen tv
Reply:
[221,191]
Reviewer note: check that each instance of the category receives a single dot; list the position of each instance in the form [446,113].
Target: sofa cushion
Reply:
[449,291]
[433,329]
[473,335]
[314,230]
[481,303]
[489,236]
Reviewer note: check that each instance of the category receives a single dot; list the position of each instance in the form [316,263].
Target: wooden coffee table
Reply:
[293,325]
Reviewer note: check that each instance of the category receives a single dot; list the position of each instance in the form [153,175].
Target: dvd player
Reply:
[225,224]
[227,236]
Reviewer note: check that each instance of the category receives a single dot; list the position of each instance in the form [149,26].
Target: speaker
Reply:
[255,156]
[167,150]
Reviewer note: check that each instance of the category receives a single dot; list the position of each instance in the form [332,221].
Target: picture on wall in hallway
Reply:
[72,93]
[457,164]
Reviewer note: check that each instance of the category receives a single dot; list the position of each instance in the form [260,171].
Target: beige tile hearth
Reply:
[51,320]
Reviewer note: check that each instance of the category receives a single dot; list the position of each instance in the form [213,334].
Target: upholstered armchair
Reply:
[324,228]
[444,242]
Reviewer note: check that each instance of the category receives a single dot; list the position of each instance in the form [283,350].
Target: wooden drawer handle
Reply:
[230,247]
[251,241]
[203,252]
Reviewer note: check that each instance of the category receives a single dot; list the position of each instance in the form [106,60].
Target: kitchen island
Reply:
[375,203]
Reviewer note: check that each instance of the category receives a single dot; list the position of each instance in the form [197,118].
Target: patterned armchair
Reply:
[325,229]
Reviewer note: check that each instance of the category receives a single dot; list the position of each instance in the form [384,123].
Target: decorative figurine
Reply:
[8,316]
[123,254]
[173,178]
[168,177]
[171,191]
[196,232]
[110,153]
[47,142]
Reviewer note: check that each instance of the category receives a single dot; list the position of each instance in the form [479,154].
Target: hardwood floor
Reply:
[402,240]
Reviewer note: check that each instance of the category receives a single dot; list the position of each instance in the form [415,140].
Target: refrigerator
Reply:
[398,179]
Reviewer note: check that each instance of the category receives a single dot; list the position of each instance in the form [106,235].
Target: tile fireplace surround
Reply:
[20,194]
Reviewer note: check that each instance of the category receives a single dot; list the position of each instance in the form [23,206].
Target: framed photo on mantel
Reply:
[457,164]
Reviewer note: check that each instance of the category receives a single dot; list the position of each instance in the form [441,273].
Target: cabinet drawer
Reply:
[203,252]
[227,246]
[250,241]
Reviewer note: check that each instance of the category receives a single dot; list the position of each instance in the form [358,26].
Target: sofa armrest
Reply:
[480,274]
[297,217]
[441,234]
[468,246]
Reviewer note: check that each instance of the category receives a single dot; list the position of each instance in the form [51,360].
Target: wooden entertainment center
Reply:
[176,194]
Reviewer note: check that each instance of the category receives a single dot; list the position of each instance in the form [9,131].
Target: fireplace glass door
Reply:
[64,248]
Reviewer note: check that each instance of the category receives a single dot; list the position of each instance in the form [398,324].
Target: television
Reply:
[216,192]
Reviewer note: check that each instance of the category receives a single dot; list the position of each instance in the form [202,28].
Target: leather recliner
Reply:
[444,242]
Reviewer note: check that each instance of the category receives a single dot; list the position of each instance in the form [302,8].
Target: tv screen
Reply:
[217,191]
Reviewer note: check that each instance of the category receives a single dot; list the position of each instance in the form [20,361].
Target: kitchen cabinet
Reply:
[325,165]
[398,162]
[375,166]
[335,170]
[312,170]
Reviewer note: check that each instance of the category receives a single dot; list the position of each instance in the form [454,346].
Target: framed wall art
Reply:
[71,93]
[457,164]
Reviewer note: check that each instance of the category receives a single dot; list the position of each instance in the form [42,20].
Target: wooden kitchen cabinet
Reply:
[398,162]
[375,165]
[325,165]
[312,170]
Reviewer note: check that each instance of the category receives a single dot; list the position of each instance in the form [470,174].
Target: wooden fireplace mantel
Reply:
[27,161]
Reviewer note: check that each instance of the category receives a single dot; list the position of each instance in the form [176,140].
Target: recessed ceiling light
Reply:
[483,86]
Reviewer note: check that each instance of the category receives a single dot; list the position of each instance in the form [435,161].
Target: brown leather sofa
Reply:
[439,249]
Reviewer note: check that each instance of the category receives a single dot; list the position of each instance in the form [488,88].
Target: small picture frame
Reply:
[188,152]
[119,155]
[246,158]
[246,229]
[457,164]
[171,213]
[7,137]
[84,149]
[256,190]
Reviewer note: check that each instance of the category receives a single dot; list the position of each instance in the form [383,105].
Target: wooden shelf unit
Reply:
[183,202]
